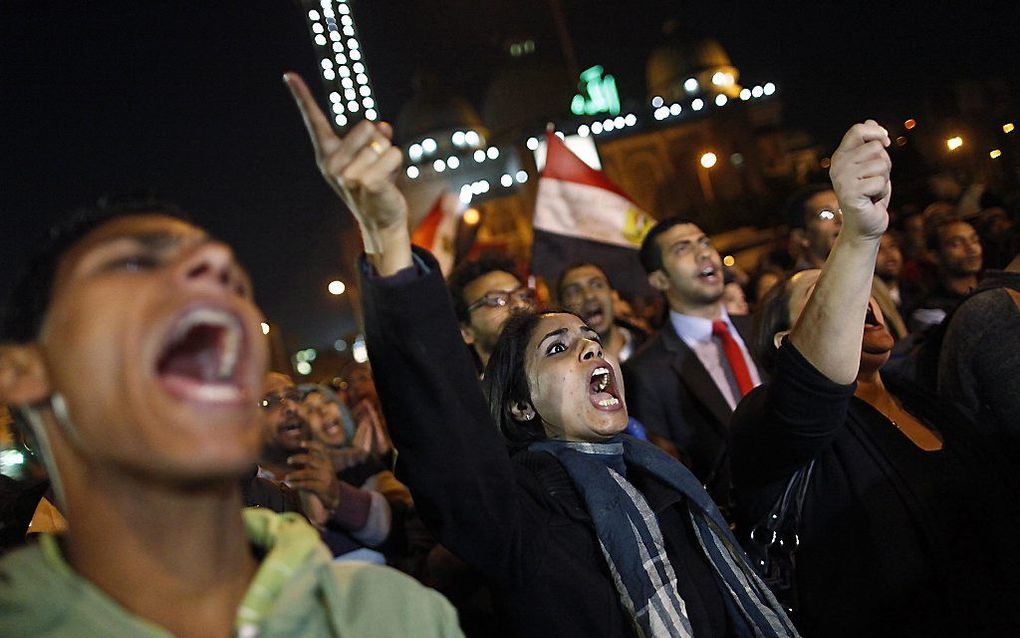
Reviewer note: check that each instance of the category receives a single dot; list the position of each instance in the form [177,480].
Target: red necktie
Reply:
[734,356]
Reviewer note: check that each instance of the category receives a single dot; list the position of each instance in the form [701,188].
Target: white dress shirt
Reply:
[696,332]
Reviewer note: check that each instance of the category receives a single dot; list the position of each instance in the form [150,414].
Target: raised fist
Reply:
[860,176]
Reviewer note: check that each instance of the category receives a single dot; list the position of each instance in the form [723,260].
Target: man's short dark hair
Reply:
[30,298]
[794,211]
[465,273]
[936,217]
[574,266]
[650,254]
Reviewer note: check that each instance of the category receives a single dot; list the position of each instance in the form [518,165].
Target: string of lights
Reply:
[342,67]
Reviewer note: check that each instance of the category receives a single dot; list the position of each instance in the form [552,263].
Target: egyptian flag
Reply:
[437,232]
[580,215]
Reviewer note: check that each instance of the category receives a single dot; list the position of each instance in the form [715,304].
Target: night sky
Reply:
[184,99]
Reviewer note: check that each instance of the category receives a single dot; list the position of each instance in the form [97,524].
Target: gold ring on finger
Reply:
[378,147]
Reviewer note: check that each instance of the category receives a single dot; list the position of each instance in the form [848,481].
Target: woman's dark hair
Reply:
[771,316]
[506,381]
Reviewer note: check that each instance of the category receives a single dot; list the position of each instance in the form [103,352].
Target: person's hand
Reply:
[860,176]
[349,457]
[314,473]
[370,432]
[361,167]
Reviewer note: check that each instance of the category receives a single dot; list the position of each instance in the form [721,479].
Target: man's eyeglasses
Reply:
[829,214]
[274,400]
[500,298]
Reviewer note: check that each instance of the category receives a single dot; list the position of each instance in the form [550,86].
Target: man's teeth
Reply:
[229,345]
[707,271]
[215,393]
[603,381]
[608,403]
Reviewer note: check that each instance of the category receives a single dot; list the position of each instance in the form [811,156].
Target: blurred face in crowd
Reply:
[734,300]
[284,424]
[324,420]
[823,221]
[959,249]
[691,274]
[996,222]
[159,349]
[890,259]
[491,299]
[913,232]
[877,342]
[585,291]
[360,384]
[575,389]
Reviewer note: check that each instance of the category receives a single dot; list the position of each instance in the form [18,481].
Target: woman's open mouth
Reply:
[602,390]
[203,357]
[871,321]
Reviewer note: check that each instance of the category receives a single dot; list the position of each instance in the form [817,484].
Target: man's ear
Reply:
[522,411]
[659,280]
[23,378]
[467,333]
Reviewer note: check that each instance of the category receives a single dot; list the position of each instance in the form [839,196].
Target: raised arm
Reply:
[361,168]
[782,426]
[450,453]
[829,331]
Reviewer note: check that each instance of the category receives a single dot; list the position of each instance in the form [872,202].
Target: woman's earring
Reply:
[777,340]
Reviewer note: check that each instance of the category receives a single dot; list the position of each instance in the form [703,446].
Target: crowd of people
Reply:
[821,447]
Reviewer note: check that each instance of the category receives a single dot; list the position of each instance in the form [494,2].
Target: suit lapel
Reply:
[694,375]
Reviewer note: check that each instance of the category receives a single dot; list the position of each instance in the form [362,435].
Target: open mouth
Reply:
[201,358]
[602,389]
[709,272]
[870,320]
[292,427]
[593,316]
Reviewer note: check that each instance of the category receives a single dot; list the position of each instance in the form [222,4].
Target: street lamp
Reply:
[708,160]
[336,287]
[954,143]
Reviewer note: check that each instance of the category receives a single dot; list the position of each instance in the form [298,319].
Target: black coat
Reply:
[518,520]
[672,394]
[893,541]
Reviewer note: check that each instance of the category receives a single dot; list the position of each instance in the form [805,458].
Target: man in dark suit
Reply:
[684,383]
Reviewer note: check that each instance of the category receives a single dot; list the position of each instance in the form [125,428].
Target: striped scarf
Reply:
[632,542]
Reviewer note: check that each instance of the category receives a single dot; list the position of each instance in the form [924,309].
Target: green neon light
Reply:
[597,94]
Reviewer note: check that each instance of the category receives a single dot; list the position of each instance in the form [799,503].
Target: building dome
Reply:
[432,110]
[671,66]
[520,97]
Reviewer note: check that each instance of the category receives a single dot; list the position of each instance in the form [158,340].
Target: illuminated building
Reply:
[342,67]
